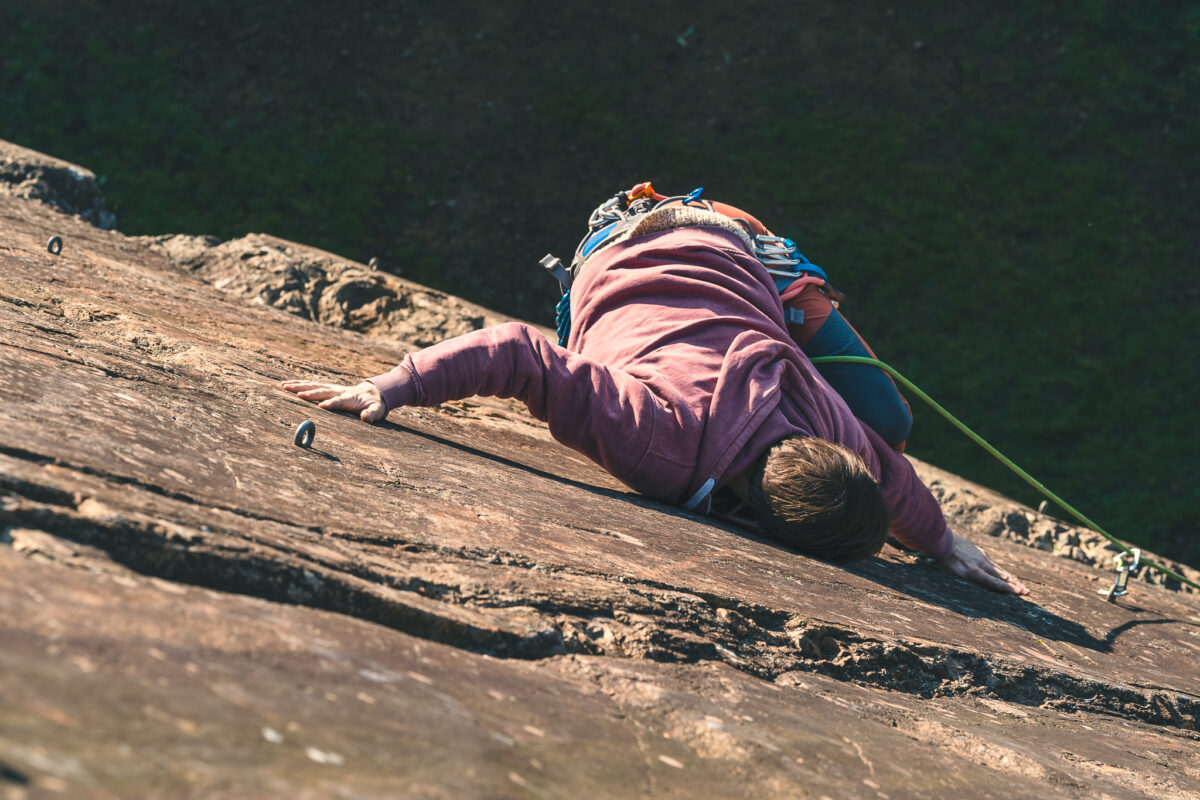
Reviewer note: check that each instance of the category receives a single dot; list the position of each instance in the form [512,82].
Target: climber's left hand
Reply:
[967,561]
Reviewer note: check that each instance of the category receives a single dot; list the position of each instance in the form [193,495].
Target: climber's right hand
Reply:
[363,399]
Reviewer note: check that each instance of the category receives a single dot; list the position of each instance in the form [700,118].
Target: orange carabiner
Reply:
[643,189]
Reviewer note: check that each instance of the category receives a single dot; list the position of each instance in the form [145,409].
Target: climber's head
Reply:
[819,498]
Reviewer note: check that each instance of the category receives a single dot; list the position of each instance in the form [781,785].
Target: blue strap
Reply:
[808,266]
[594,240]
[700,494]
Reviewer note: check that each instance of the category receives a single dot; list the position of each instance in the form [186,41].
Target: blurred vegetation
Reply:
[1007,194]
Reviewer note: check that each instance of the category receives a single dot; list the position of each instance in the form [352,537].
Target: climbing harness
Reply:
[54,246]
[1123,571]
[618,215]
[305,433]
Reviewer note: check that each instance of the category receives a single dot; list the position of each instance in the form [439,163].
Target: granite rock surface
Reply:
[451,604]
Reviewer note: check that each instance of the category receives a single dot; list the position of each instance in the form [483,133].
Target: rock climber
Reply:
[685,333]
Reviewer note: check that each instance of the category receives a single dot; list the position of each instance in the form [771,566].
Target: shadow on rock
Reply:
[947,591]
[508,462]
[11,775]
[914,580]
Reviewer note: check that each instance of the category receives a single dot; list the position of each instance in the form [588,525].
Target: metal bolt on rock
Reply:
[305,434]
[54,246]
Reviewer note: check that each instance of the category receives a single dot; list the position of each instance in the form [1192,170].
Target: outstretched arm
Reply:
[604,413]
[969,562]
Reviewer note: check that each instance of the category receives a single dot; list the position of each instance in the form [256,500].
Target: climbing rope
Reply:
[979,440]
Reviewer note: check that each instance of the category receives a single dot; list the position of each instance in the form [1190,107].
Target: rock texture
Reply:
[323,287]
[57,183]
[453,605]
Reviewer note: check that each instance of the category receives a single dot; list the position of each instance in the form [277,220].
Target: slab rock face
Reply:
[451,605]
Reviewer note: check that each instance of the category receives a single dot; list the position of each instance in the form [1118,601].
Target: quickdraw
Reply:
[1124,572]
[781,258]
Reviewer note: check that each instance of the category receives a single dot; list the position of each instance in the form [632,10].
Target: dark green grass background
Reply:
[1007,192]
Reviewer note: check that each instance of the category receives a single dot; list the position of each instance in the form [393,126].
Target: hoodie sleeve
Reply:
[604,413]
[917,520]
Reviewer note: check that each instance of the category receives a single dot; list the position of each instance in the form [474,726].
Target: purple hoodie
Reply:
[678,375]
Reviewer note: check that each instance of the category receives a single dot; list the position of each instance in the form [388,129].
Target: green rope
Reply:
[1000,457]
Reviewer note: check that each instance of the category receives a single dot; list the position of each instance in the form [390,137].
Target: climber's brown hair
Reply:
[819,498]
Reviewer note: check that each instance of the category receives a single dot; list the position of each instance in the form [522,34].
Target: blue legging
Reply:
[869,392]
